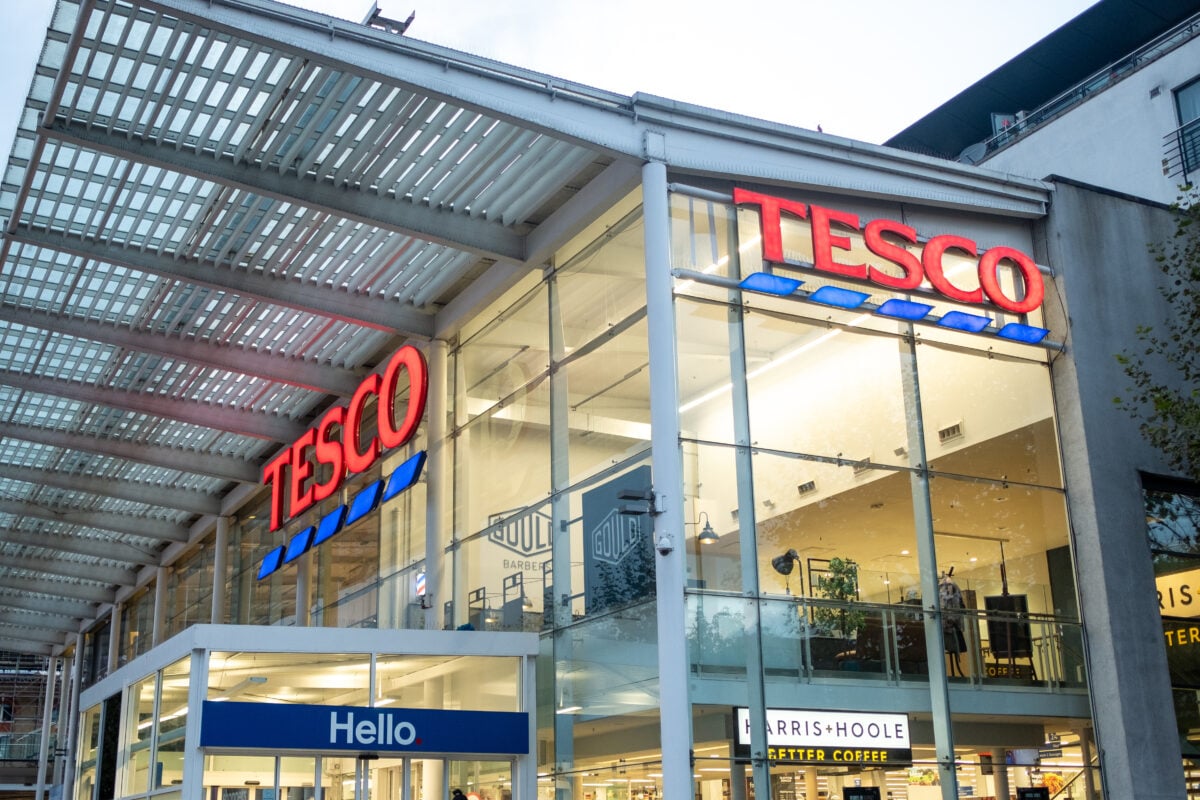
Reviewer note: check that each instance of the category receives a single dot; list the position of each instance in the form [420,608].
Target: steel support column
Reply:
[667,468]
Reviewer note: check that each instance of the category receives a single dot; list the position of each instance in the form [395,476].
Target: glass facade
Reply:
[874,520]
[1173,533]
[133,744]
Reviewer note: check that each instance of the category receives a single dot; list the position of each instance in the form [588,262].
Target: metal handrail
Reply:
[1097,81]
[1181,149]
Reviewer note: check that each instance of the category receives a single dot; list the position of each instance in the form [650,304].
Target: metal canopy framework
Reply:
[217,216]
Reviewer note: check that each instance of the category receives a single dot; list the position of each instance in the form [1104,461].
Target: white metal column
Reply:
[220,562]
[160,606]
[935,649]
[44,746]
[667,465]
[73,715]
[437,521]
[193,757]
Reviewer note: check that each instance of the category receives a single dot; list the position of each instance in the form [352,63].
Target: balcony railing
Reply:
[1025,122]
[1181,150]
[821,638]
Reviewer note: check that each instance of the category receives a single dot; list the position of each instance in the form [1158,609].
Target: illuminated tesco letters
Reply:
[336,441]
[913,269]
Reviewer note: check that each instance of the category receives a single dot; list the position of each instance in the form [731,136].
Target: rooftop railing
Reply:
[1024,122]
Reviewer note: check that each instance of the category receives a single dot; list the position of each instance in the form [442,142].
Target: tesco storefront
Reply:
[868,526]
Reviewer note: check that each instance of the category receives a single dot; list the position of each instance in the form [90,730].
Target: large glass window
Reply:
[189,589]
[840,466]
[1173,530]
[1187,105]
[137,624]
[138,735]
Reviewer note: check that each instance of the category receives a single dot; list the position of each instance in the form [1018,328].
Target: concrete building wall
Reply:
[1115,138]
[1106,285]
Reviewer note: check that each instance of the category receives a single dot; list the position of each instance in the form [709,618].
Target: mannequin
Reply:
[951,600]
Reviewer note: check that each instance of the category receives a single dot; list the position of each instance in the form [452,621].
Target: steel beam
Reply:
[78,609]
[222,467]
[291,371]
[187,500]
[22,645]
[32,619]
[30,634]
[99,548]
[120,523]
[206,415]
[358,309]
[451,228]
[60,589]
[95,573]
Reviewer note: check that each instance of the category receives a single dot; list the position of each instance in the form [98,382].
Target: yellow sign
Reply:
[814,755]
[1188,635]
[1179,594]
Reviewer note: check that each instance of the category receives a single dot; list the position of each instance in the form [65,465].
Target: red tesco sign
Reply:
[913,269]
[336,441]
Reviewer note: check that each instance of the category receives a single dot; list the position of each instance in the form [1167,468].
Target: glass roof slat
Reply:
[373,130]
[313,259]
[482,204]
[529,191]
[216,205]
[414,152]
[65,14]
[19,346]
[388,142]
[230,241]
[116,33]
[370,250]
[300,106]
[233,83]
[349,116]
[441,157]
[402,131]
[258,69]
[318,117]
[135,93]
[267,120]
[426,288]
[72,359]
[199,196]
[168,93]
[171,211]
[157,74]
[275,231]
[186,89]
[45,411]
[460,196]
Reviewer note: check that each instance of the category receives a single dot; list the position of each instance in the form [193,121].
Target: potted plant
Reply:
[839,581]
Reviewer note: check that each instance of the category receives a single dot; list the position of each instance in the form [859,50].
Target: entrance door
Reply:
[325,777]
[346,776]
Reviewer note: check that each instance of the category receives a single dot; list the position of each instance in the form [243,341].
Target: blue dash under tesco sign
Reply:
[286,726]
[335,447]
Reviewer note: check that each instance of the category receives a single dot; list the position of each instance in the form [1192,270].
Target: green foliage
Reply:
[1164,371]
[839,582]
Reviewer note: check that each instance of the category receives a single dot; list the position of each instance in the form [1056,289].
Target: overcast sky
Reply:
[864,73]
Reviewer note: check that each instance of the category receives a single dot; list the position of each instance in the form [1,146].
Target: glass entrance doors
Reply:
[347,776]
